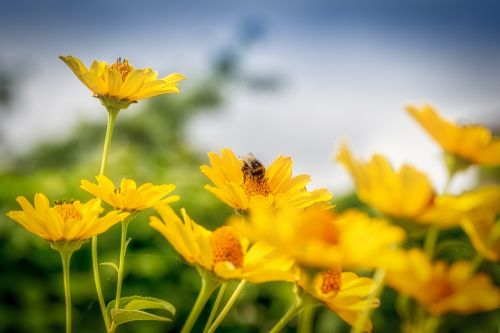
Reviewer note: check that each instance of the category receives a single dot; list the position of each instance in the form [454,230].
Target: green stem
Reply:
[123,249]
[292,312]
[431,240]
[476,262]
[112,114]
[97,281]
[215,307]
[379,278]
[228,306]
[208,285]
[66,258]
[305,320]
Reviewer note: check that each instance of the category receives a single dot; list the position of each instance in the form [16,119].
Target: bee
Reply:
[252,168]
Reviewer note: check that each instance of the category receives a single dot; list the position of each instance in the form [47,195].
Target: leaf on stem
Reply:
[131,309]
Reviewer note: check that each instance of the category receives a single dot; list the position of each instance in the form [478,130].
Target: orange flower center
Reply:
[123,67]
[255,187]
[440,289]
[331,281]
[68,212]
[226,246]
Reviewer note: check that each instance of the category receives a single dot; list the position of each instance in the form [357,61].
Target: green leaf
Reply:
[110,264]
[130,309]
[122,316]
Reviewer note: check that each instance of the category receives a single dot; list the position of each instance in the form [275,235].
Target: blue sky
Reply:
[349,66]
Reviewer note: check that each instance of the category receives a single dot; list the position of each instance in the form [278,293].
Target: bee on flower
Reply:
[239,180]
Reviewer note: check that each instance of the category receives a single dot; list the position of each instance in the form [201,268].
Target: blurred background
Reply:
[283,77]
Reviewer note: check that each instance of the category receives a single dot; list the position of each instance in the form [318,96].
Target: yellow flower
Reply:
[120,84]
[472,143]
[484,235]
[73,221]
[450,210]
[128,197]
[405,193]
[238,181]
[222,251]
[317,238]
[344,293]
[441,288]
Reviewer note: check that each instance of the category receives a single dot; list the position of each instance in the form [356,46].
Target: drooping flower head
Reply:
[344,293]
[128,197]
[484,234]
[120,84]
[64,221]
[222,251]
[405,193]
[451,210]
[317,238]
[463,143]
[239,180]
[441,288]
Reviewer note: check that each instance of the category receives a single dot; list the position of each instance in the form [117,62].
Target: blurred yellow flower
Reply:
[450,210]
[238,181]
[405,193]
[223,251]
[484,235]
[472,143]
[128,197]
[344,293]
[441,288]
[64,222]
[120,84]
[317,238]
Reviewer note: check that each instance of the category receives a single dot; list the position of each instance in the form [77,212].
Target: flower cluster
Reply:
[282,231]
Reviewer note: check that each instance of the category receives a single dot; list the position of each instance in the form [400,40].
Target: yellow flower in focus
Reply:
[441,288]
[120,84]
[222,251]
[484,235]
[405,193]
[238,181]
[128,197]
[450,210]
[317,238]
[63,222]
[472,143]
[344,293]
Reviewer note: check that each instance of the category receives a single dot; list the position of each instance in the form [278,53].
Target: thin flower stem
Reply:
[121,267]
[66,258]
[97,280]
[228,306]
[433,232]
[292,312]
[208,285]
[430,240]
[379,278]
[112,114]
[476,262]
[215,307]
[305,320]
